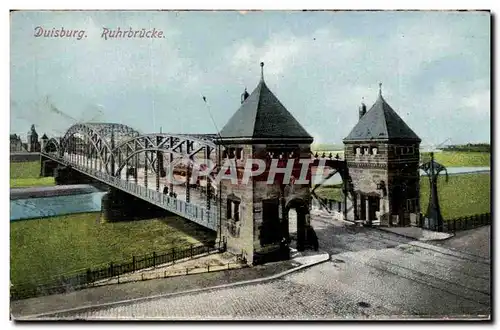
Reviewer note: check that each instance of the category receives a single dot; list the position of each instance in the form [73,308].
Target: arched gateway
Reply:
[257,225]
[250,212]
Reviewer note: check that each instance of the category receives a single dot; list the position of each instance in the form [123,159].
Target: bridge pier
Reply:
[117,205]
[64,175]
[47,167]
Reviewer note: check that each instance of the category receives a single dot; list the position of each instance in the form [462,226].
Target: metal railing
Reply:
[83,279]
[190,211]
[459,224]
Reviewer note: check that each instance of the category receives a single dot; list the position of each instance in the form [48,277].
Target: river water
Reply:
[21,209]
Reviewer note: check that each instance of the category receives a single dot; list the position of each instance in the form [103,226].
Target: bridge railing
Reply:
[195,213]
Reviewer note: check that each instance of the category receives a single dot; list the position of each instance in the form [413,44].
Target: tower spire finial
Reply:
[262,70]
[379,89]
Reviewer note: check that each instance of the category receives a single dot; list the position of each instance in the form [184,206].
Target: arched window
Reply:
[233,207]
[239,153]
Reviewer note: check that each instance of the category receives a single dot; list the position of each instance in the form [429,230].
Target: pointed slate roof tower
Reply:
[262,118]
[381,123]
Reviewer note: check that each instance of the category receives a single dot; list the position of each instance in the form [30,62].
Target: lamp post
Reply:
[433,169]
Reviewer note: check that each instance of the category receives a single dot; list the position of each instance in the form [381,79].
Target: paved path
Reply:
[476,241]
[418,233]
[371,274]
[143,289]
[34,192]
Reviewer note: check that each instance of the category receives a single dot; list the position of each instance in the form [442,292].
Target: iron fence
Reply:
[82,280]
[458,224]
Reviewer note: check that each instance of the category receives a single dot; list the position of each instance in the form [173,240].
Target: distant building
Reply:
[16,145]
[33,143]
[43,141]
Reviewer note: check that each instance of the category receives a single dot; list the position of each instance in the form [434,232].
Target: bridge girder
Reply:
[51,144]
[118,142]
[101,137]
[178,145]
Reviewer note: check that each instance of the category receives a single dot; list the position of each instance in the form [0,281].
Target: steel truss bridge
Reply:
[125,159]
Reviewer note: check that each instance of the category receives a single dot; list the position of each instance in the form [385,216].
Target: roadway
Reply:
[371,275]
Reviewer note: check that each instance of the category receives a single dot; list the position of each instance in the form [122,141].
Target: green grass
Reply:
[24,170]
[43,248]
[459,158]
[446,158]
[330,192]
[326,147]
[31,182]
[462,195]
[27,174]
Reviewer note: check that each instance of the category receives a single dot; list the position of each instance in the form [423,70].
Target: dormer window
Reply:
[358,151]
[374,150]
[366,151]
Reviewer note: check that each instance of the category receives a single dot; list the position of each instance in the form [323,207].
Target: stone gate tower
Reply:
[254,213]
[382,154]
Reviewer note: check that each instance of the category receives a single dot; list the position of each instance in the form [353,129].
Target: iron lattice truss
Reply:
[117,146]
[155,146]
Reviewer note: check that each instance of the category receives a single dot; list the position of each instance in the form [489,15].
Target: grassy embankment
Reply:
[27,174]
[44,248]
[459,158]
[462,195]
[446,158]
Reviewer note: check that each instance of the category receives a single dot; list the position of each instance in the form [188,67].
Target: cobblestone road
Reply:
[371,274]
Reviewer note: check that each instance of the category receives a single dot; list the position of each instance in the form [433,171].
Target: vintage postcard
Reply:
[250,165]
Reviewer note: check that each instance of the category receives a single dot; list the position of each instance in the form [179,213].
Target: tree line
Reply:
[473,147]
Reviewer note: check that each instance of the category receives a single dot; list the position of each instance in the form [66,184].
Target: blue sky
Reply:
[434,66]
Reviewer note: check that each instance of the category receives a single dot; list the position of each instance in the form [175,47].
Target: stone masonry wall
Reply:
[239,234]
[397,165]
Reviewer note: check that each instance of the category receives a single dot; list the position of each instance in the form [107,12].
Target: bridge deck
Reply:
[194,210]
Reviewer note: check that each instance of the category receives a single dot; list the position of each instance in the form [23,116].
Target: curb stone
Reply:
[50,315]
[414,238]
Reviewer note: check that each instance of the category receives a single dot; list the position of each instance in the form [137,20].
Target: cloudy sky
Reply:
[434,66]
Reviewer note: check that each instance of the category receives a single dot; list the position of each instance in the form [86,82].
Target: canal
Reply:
[28,208]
